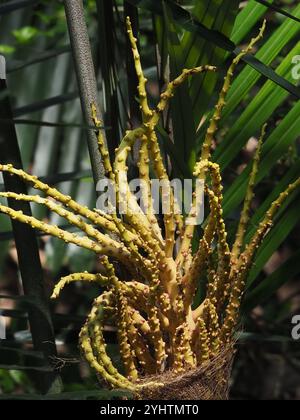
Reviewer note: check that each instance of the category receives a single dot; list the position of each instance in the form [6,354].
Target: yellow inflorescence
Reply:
[150,301]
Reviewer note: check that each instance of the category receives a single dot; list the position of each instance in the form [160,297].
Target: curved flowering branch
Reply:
[213,128]
[245,216]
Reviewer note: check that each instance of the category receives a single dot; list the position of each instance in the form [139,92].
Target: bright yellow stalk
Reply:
[81,241]
[72,278]
[245,215]
[213,127]
[101,144]
[110,247]
[146,112]
[92,216]
[100,362]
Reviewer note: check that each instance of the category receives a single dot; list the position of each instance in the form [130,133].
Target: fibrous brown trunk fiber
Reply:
[211,381]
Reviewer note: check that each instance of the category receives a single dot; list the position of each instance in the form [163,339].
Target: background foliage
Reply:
[51,136]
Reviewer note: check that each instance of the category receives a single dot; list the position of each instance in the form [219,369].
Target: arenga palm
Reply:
[185,350]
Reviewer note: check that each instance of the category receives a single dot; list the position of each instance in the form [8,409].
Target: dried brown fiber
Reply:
[209,382]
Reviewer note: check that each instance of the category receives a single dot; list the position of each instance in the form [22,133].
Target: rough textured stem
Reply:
[86,79]
[101,239]
[146,111]
[93,216]
[213,126]
[96,278]
[245,215]
[241,270]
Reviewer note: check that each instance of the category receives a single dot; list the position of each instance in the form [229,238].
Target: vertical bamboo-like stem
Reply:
[86,78]
[27,248]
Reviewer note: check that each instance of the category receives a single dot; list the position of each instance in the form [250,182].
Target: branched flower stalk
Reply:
[158,327]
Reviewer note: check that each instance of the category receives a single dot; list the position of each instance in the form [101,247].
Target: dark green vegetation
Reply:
[47,113]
